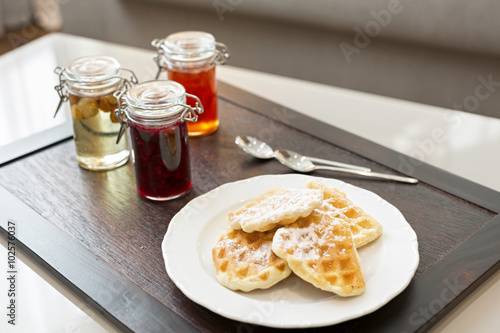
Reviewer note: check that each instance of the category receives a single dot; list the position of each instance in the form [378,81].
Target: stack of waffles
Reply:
[314,232]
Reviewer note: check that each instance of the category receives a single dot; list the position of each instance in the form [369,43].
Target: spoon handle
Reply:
[337,164]
[369,174]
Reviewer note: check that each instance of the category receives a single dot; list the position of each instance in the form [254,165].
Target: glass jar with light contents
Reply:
[157,114]
[89,84]
[190,58]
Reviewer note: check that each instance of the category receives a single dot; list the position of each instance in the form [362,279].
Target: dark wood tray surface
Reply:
[94,233]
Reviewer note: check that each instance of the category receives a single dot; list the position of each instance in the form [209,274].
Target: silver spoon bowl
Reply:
[301,163]
[254,147]
[262,150]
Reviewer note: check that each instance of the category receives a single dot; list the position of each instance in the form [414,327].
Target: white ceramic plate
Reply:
[388,263]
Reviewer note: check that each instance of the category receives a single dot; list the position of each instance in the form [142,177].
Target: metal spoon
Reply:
[301,163]
[262,150]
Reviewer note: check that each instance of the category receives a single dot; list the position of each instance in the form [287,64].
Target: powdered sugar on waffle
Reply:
[275,207]
[258,257]
[339,212]
[305,241]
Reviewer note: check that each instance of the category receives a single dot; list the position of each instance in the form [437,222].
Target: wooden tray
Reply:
[93,232]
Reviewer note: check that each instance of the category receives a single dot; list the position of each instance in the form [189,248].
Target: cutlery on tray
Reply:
[262,150]
[301,163]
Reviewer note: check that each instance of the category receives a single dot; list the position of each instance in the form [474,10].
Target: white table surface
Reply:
[468,150]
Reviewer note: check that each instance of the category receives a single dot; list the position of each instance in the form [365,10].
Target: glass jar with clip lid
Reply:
[190,58]
[157,114]
[89,84]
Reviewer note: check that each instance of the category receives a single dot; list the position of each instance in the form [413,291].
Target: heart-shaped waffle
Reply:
[320,250]
[245,261]
[364,227]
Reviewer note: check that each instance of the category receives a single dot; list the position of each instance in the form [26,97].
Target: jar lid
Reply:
[155,103]
[156,99]
[189,46]
[92,69]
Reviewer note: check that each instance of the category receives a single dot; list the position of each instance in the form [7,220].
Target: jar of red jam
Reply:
[157,114]
[190,58]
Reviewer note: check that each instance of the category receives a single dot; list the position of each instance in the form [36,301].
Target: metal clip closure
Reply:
[61,91]
[191,114]
[158,57]
[222,54]
[157,42]
[133,79]
[120,112]
[161,65]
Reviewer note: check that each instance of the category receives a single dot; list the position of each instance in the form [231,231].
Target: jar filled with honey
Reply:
[190,58]
[89,84]
[157,114]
